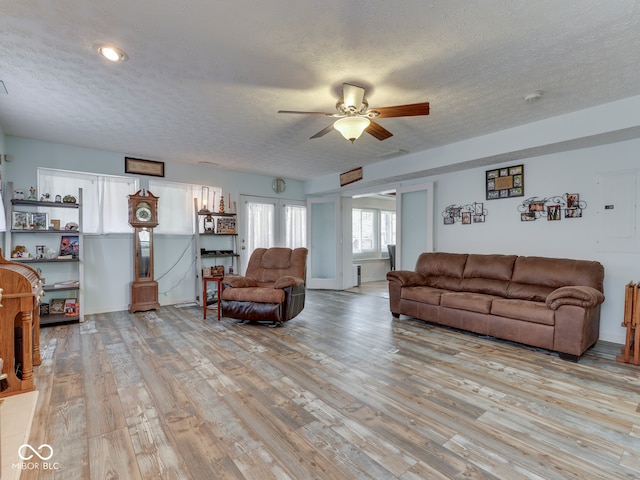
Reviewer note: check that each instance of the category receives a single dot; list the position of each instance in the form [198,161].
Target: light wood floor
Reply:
[166,395]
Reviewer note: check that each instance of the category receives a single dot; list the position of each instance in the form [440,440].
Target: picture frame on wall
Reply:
[504,182]
[143,167]
[553,212]
[466,218]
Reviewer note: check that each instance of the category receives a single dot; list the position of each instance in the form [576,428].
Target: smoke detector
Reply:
[533,96]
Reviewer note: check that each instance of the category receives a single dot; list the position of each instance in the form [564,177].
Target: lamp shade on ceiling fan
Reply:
[351,127]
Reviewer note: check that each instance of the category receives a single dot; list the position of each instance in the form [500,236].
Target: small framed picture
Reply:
[56,305]
[573,199]
[478,219]
[40,221]
[573,213]
[20,220]
[69,245]
[536,207]
[553,212]
[466,218]
[527,217]
[479,207]
[449,220]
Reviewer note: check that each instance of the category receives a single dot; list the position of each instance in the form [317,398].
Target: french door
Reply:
[270,222]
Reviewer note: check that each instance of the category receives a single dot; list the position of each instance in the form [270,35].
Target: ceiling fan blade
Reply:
[311,113]
[322,132]
[378,131]
[352,96]
[400,111]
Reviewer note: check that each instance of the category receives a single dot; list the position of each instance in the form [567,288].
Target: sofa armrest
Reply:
[406,278]
[237,281]
[580,296]
[288,281]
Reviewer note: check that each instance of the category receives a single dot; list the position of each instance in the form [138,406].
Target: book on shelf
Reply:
[65,257]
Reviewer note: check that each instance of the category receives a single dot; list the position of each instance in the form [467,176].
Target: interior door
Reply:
[414,235]
[325,252]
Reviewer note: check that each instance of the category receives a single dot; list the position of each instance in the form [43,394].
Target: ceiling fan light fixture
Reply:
[351,127]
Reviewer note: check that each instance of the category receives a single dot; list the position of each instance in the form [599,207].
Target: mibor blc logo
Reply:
[27,453]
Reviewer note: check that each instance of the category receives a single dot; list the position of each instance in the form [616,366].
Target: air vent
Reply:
[208,164]
[394,153]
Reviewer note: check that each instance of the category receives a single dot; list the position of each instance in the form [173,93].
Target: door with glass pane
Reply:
[271,222]
[414,206]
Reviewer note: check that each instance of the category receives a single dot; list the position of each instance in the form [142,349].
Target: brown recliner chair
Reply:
[272,290]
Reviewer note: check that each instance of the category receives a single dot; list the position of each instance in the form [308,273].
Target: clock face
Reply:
[143,212]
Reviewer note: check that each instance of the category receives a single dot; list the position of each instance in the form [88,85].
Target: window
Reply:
[364,229]
[387,230]
[104,198]
[295,226]
[372,231]
[176,207]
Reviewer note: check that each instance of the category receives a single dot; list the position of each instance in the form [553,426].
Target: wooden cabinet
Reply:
[57,255]
[216,245]
[19,324]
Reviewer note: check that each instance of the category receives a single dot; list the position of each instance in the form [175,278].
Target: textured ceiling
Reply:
[204,78]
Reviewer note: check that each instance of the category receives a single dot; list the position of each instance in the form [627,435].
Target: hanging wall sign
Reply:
[351,176]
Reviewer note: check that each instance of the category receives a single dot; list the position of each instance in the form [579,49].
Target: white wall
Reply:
[503,231]
[109,258]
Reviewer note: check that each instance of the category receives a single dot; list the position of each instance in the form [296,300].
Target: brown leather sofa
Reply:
[273,288]
[551,303]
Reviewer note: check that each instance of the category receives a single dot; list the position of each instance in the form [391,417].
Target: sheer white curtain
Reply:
[260,225]
[295,226]
[104,198]
[175,206]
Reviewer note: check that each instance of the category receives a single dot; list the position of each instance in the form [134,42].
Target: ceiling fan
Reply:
[356,116]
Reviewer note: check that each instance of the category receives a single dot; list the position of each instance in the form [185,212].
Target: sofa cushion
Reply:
[534,312]
[496,267]
[558,272]
[254,294]
[422,294]
[484,285]
[523,291]
[445,283]
[472,302]
[441,264]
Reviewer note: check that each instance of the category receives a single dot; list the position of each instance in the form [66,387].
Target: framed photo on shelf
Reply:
[40,221]
[56,305]
[69,245]
[20,220]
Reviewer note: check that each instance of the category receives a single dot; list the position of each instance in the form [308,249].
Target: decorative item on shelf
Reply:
[55,223]
[506,182]
[56,305]
[533,208]
[221,208]
[68,199]
[44,309]
[58,199]
[41,252]
[208,223]
[20,251]
[466,214]
[71,226]
[39,221]
[69,245]
[32,194]
[18,195]
[217,270]
[71,307]
[20,220]
[204,200]
[45,197]
[226,225]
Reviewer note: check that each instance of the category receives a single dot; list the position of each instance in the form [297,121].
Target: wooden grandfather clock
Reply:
[143,217]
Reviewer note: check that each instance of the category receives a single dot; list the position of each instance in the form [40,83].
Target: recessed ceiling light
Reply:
[533,96]
[111,53]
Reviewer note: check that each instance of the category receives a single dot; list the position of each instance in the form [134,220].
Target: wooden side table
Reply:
[205,280]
